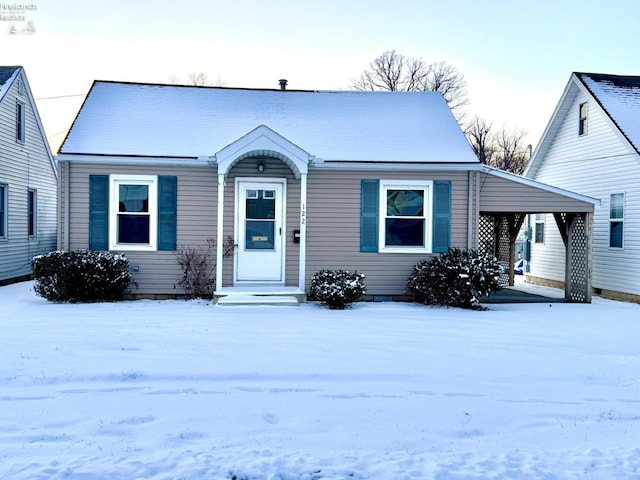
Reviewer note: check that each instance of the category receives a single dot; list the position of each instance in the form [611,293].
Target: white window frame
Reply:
[114,197]
[20,125]
[583,122]
[616,220]
[4,223]
[34,219]
[427,186]
[539,219]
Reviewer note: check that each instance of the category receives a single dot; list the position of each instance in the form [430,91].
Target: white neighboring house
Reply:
[591,145]
[28,179]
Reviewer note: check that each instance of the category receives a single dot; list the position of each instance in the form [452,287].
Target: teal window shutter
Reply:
[369,215]
[441,216]
[98,212]
[167,212]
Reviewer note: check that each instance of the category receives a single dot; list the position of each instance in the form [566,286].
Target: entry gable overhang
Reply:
[263,141]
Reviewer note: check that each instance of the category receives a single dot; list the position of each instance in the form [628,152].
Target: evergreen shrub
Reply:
[337,289]
[458,278]
[81,276]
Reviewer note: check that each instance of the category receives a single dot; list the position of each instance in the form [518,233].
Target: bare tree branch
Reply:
[395,72]
[480,136]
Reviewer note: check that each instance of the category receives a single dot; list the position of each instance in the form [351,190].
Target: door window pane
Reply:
[262,206]
[259,235]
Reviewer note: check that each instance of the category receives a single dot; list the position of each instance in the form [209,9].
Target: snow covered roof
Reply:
[619,96]
[133,119]
[6,75]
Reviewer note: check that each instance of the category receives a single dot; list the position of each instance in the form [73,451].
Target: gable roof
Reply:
[6,75]
[618,96]
[133,119]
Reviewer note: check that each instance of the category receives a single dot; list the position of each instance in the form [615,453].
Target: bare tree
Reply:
[393,71]
[199,79]
[480,137]
[504,149]
[512,152]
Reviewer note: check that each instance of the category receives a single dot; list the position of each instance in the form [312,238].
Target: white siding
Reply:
[597,164]
[23,167]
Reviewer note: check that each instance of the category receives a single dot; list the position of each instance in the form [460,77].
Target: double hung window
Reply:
[405,216]
[133,213]
[616,220]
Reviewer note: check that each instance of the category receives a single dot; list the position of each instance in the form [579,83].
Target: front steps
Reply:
[260,294]
[248,299]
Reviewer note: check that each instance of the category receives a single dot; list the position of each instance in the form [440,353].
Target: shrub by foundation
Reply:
[81,276]
[457,278]
[337,289]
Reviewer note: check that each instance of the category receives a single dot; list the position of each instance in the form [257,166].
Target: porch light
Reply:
[260,167]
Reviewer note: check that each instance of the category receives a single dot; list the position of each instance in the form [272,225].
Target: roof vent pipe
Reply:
[283,83]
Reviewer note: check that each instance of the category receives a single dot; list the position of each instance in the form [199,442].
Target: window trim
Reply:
[537,222]
[32,213]
[583,119]
[114,196]
[613,220]
[20,123]
[4,213]
[427,186]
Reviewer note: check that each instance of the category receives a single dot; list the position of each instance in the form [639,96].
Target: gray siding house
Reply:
[592,145]
[295,181]
[27,179]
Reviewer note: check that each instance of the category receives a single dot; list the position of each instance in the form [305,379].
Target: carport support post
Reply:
[577,287]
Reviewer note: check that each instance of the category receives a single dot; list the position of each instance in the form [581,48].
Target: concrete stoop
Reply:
[253,299]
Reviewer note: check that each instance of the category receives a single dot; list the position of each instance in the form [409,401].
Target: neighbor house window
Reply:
[3,211]
[583,118]
[32,208]
[20,122]
[616,220]
[405,216]
[133,212]
[539,228]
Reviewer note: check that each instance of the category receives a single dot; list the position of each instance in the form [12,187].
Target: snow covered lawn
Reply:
[189,390]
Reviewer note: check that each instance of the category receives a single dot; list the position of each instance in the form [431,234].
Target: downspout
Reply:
[303,232]
[470,210]
[220,232]
[66,216]
[476,177]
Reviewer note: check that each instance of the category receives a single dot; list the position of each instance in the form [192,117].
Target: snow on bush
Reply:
[81,276]
[457,278]
[337,289]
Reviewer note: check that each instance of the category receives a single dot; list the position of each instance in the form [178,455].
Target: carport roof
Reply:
[506,192]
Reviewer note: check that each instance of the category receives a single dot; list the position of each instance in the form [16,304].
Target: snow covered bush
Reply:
[337,289]
[457,278]
[81,276]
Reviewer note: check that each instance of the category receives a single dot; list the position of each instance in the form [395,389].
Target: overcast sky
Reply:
[516,56]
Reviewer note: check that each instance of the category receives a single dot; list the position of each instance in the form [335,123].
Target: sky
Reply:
[516,56]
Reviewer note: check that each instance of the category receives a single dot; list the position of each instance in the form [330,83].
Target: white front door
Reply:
[260,225]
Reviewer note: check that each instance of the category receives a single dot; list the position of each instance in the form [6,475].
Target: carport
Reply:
[505,200]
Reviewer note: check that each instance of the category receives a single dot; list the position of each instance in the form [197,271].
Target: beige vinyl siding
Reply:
[196,219]
[597,164]
[503,195]
[274,168]
[25,166]
[333,226]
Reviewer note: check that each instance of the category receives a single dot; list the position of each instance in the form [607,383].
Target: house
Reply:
[27,179]
[591,145]
[297,181]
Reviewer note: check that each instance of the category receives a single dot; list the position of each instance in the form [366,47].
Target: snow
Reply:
[168,120]
[620,97]
[186,389]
